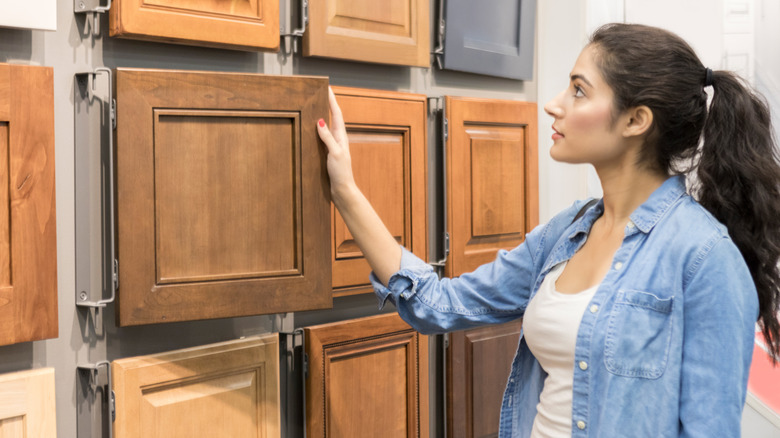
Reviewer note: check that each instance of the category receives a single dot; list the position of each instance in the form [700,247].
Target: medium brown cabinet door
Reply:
[243,24]
[387,140]
[386,32]
[28,239]
[223,205]
[27,407]
[230,389]
[367,377]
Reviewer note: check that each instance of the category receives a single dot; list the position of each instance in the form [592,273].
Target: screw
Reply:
[83,296]
[81,5]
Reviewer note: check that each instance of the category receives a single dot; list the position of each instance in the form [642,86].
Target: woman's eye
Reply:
[578,92]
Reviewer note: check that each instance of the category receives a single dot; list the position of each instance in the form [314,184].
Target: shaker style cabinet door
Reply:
[239,24]
[229,389]
[387,140]
[27,404]
[28,239]
[367,377]
[223,204]
[385,32]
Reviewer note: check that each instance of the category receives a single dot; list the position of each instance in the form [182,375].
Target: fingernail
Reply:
[321,123]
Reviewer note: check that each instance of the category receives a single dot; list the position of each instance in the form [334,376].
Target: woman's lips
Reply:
[556,135]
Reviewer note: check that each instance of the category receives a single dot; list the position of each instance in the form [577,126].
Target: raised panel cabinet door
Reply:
[478,365]
[492,179]
[235,24]
[385,32]
[367,377]
[27,404]
[387,140]
[28,229]
[229,389]
[223,203]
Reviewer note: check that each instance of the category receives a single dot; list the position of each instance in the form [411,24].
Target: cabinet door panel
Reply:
[242,24]
[27,405]
[386,32]
[216,173]
[387,140]
[368,377]
[28,240]
[226,389]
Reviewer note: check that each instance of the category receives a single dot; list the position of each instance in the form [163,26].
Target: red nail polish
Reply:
[321,123]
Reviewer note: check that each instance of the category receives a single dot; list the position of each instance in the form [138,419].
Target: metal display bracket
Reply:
[89,384]
[438,51]
[91,7]
[304,370]
[440,111]
[297,33]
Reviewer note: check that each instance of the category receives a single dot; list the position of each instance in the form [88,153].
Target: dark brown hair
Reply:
[730,147]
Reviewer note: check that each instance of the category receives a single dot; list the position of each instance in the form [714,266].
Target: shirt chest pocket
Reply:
[639,335]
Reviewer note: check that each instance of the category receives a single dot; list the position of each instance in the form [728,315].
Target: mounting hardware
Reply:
[298,31]
[90,385]
[444,134]
[94,8]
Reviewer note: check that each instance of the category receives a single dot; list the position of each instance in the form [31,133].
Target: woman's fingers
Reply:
[327,137]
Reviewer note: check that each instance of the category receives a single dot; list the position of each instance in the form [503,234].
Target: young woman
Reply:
[638,314]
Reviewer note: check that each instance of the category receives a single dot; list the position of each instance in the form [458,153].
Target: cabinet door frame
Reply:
[29,403]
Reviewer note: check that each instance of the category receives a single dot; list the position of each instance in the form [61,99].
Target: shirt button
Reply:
[583,365]
[581,425]
[618,265]
[631,225]
[594,308]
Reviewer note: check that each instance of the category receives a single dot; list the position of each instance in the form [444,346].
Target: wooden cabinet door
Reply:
[241,24]
[230,389]
[492,179]
[367,377]
[478,365]
[386,32]
[27,404]
[28,229]
[223,203]
[387,140]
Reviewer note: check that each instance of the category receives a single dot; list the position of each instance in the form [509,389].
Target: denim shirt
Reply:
[664,346]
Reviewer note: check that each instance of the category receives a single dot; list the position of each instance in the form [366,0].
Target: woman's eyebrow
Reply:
[582,78]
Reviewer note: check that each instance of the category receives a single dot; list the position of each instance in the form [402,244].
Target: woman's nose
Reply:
[553,107]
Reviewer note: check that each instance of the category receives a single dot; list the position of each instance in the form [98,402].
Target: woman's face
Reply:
[584,129]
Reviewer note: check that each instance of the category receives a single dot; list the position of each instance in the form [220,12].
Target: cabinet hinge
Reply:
[305,366]
[116,273]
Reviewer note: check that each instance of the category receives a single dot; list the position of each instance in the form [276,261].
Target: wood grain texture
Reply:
[388,144]
[28,239]
[223,203]
[227,389]
[27,404]
[236,24]
[386,32]
[367,377]
[492,179]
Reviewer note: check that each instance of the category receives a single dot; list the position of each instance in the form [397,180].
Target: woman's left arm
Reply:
[720,312]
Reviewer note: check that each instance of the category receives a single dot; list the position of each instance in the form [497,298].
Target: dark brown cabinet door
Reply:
[367,377]
[28,239]
[387,138]
[222,195]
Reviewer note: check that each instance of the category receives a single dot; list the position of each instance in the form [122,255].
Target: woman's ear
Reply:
[639,119]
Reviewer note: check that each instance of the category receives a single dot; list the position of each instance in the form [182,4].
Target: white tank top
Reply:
[550,327]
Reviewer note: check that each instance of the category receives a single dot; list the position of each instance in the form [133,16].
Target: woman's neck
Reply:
[625,189]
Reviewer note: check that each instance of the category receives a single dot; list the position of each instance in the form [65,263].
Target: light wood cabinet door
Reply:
[27,404]
[28,229]
[223,203]
[492,179]
[387,140]
[367,377]
[239,24]
[229,389]
[386,32]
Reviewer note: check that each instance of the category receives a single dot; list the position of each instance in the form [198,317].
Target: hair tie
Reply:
[707,77]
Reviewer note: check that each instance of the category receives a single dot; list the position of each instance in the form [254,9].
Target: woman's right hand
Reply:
[335,138]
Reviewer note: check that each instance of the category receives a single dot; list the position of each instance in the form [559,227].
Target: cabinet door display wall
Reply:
[223,202]
[28,234]
[230,389]
[27,407]
[387,140]
[367,377]
[245,24]
[386,32]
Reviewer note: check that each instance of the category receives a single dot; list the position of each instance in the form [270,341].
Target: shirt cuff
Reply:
[402,284]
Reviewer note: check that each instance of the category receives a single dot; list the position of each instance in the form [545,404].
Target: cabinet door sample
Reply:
[497,40]
[229,389]
[222,195]
[28,239]
[367,377]
[27,408]
[478,365]
[243,24]
[492,179]
[31,14]
[386,32]
[387,141]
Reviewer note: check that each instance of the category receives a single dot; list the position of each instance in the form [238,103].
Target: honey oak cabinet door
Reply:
[223,204]
[229,389]
[367,377]
[387,140]
[237,24]
[27,404]
[386,32]
[492,179]
[28,239]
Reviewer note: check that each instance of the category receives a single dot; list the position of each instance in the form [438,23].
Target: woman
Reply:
[639,311]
